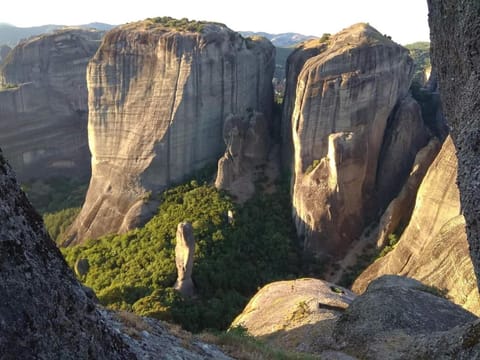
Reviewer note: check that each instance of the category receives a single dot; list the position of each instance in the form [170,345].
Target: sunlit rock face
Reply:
[43,104]
[354,133]
[158,98]
[434,248]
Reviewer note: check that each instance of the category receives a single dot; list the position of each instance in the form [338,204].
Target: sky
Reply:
[405,21]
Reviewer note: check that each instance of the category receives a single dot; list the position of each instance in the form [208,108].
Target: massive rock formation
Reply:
[184,253]
[433,248]
[247,139]
[44,311]
[354,133]
[158,98]
[43,104]
[455,42]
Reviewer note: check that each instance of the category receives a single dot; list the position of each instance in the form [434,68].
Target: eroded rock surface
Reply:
[433,248]
[158,99]
[43,104]
[455,44]
[247,139]
[342,152]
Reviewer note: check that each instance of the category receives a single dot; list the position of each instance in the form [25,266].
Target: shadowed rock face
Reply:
[157,99]
[43,109]
[247,139]
[338,117]
[44,311]
[455,51]
[433,248]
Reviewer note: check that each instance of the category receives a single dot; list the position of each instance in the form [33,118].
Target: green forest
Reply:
[136,271]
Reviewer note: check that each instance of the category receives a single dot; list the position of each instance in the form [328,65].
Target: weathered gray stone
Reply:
[157,100]
[247,139]
[455,44]
[387,321]
[184,256]
[44,311]
[43,109]
[296,315]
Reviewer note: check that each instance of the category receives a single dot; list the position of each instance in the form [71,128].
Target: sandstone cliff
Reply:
[455,41]
[43,104]
[158,98]
[433,248]
[354,133]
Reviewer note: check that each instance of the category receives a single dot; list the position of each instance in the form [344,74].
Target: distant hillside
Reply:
[10,35]
[281,40]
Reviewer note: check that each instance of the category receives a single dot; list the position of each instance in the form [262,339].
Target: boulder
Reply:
[158,97]
[394,318]
[184,254]
[296,315]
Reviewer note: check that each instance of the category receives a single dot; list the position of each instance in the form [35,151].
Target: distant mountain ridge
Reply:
[10,35]
[281,40]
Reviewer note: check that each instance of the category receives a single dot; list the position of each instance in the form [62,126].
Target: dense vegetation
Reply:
[59,200]
[136,271]
[180,24]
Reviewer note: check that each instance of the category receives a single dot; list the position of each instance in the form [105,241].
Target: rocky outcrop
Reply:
[43,104]
[247,139]
[44,311]
[158,98]
[400,318]
[296,315]
[184,253]
[345,148]
[455,44]
[433,248]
